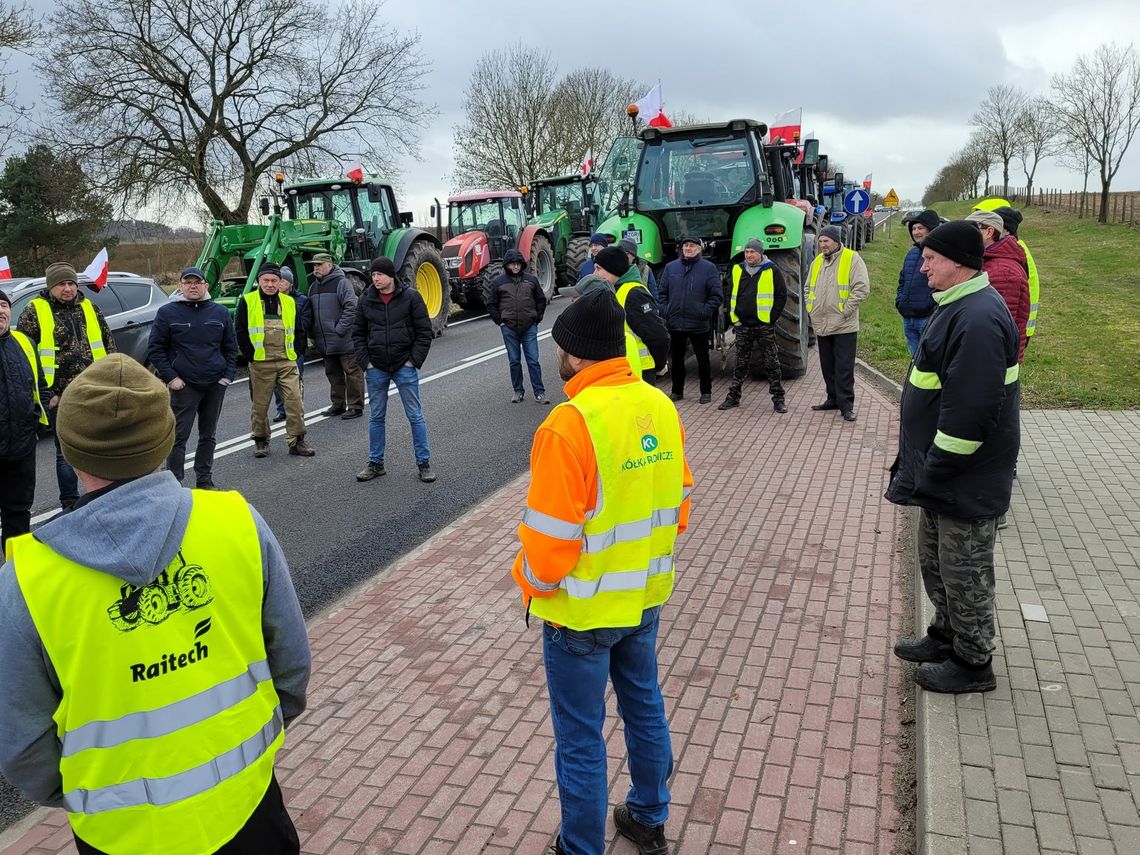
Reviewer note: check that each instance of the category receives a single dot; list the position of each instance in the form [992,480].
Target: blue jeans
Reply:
[277,389]
[524,344]
[407,381]
[577,665]
[65,477]
[912,329]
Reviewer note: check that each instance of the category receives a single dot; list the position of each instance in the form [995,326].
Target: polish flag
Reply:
[354,172]
[587,165]
[96,272]
[652,108]
[5,268]
[786,126]
[867,182]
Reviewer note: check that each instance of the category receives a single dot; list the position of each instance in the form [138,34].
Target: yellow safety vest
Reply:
[626,563]
[169,721]
[256,320]
[765,294]
[635,350]
[26,346]
[1034,289]
[47,345]
[843,277]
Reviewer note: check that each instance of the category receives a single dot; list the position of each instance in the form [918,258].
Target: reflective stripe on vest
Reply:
[255,318]
[26,346]
[626,562]
[169,721]
[842,277]
[930,381]
[765,294]
[1034,289]
[47,346]
[635,350]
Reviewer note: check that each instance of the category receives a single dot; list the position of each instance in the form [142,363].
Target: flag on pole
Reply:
[587,165]
[5,268]
[810,135]
[96,272]
[354,172]
[867,182]
[652,108]
[786,126]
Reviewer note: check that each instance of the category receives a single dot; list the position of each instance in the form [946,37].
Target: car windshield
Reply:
[696,172]
[486,215]
[324,204]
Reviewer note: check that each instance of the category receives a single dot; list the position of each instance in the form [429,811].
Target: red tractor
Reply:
[481,227]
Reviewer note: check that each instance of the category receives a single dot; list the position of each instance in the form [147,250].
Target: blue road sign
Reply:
[857,201]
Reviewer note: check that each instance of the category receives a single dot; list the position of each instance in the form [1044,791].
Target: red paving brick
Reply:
[428,729]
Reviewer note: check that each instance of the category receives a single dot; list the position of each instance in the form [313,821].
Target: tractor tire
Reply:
[423,269]
[153,605]
[577,251]
[807,256]
[541,265]
[792,325]
[193,587]
[490,273]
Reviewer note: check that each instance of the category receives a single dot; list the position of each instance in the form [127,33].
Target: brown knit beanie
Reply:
[60,272]
[115,420]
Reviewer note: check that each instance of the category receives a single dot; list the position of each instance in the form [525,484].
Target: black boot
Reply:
[955,676]
[933,647]
[779,406]
[649,840]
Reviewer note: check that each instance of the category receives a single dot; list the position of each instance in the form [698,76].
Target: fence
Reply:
[1121,206]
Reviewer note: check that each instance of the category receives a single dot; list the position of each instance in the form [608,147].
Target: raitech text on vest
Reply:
[168,663]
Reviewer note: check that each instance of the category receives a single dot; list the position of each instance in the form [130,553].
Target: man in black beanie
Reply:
[959,434]
[622,439]
[646,338]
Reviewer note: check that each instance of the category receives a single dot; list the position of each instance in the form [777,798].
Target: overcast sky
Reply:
[891,93]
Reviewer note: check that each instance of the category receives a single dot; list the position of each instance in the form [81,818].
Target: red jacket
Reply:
[1004,262]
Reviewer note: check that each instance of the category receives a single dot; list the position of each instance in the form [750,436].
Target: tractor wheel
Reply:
[356,280]
[490,273]
[807,256]
[541,265]
[423,269]
[193,587]
[577,252]
[153,604]
[791,326]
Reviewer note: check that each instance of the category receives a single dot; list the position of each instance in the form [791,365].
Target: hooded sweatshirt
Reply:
[131,531]
[516,302]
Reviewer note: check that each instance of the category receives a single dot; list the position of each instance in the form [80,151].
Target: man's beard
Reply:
[565,371]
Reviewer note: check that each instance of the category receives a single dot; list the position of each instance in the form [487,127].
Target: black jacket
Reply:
[689,293]
[959,429]
[19,416]
[746,296]
[516,301]
[333,309]
[644,320]
[194,341]
[388,335]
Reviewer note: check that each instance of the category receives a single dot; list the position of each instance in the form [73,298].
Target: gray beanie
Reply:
[833,232]
[755,244]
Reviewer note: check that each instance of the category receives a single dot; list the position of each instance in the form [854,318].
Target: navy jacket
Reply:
[913,298]
[689,294]
[194,341]
[19,417]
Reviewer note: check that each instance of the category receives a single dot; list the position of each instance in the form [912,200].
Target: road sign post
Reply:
[856,201]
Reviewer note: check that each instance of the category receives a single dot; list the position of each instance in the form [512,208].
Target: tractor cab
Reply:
[366,212]
[500,215]
[570,193]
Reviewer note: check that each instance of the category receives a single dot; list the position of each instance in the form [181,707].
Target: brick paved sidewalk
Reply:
[428,729]
[1050,762]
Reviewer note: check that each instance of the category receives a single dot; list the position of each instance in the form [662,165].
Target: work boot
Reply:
[426,475]
[955,677]
[205,485]
[334,410]
[556,847]
[517,398]
[260,447]
[848,415]
[826,405]
[351,413]
[729,403]
[280,417]
[301,448]
[649,840]
[779,406]
[372,470]
[705,398]
[929,648]
[676,396]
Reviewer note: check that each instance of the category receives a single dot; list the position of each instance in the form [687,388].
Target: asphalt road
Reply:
[337,532]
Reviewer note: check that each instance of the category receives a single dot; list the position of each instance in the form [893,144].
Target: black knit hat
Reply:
[384,265]
[268,269]
[833,232]
[1011,217]
[4,298]
[613,260]
[592,327]
[959,241]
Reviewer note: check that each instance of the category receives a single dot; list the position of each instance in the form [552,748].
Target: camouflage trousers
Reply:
[956,558]
[763,339]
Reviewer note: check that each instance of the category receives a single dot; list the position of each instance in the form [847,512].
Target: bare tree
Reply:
[1099,105]
[172,99]
[997,118]
[1036,139]
[18,31]
[522,122]
[978,158]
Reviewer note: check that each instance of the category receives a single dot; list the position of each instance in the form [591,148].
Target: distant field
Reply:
[1087,349]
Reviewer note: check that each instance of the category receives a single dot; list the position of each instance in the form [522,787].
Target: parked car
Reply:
[129,302]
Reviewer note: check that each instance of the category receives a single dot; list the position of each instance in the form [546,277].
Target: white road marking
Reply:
[467,320]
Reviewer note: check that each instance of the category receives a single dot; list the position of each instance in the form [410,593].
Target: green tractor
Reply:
[353,221]
[712,181]
[576,197]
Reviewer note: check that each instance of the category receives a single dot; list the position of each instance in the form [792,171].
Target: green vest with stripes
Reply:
[47,346]
[765,294]
[169,721]
[626,563]
[843,277]
[26,346]
[635,350]
[255,318]
[1034,290]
